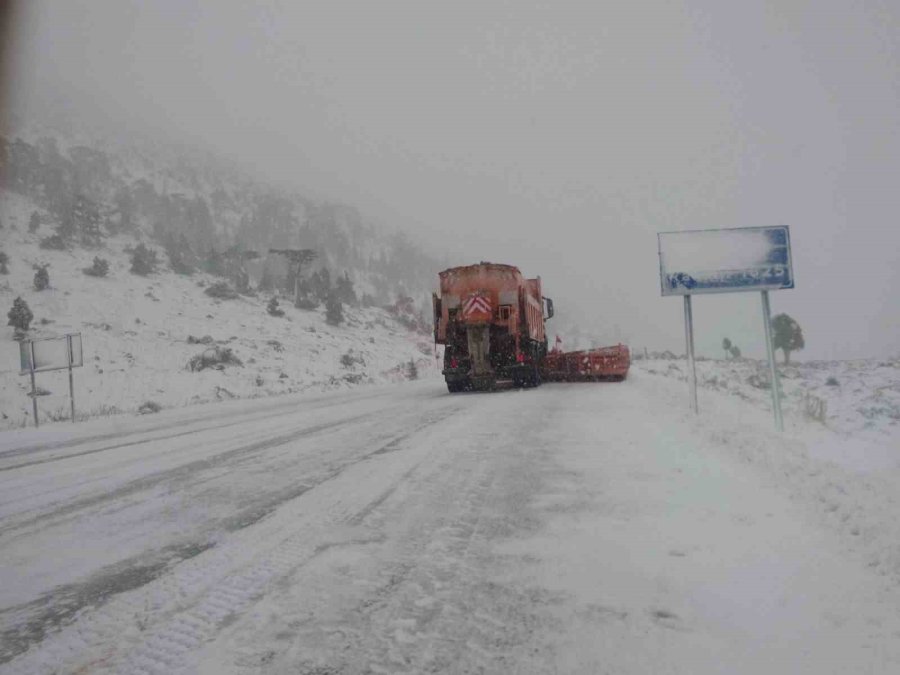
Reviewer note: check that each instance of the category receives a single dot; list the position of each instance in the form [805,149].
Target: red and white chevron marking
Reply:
[477,304]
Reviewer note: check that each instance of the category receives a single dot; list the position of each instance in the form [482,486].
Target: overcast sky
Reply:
[557,136]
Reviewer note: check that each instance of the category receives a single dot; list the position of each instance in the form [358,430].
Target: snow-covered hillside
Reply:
[139,333]
[203,206]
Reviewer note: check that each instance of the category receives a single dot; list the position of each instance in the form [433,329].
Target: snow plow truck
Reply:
[491,321]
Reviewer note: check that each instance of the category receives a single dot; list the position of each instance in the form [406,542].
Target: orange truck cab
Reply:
[491,321]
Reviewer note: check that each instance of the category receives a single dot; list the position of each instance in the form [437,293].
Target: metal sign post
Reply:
[689,340]
[776,396]
[56,353]
[71,379]
[33,385]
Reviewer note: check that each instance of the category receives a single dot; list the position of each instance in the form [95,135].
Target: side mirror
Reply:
[549,312]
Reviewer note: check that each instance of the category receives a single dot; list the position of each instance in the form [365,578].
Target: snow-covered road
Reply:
[583,528]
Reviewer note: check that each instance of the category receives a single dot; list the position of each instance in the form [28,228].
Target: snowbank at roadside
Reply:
[845,471]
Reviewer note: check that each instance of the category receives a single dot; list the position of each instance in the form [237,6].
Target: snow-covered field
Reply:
[575,528]
[136,331]
[851,405]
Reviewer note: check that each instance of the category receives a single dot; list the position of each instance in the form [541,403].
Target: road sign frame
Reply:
[761,261]
[73,354]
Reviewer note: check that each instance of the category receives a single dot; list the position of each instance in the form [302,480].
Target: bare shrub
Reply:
[53,243]
[148,407]
[815,408]
[215,357]
[349,360]
[221,290]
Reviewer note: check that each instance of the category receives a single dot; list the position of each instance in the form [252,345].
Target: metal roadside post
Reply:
[773,371]
[33,384]
[71,379]
[692,262]
[689,342]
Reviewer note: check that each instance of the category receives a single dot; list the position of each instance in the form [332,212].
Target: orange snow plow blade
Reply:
[605,363]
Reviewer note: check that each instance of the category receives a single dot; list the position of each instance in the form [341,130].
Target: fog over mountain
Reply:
[560,137]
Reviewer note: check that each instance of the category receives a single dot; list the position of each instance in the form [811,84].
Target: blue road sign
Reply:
[725,261]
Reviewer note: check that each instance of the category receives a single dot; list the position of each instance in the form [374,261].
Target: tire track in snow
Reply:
[423,603]
[147,482]
[269,413]
[181,632]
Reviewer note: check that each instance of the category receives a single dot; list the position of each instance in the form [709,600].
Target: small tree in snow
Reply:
[34,222]
[726,345]
[273,309]
[3,260]
[735,352]
[100,268]
[41,278]
[20,315]
[412,370]
[143,260]
[787,336]
[344,289]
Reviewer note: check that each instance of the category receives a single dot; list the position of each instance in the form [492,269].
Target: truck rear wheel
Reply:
[534,377]
[529,378]
[456,386]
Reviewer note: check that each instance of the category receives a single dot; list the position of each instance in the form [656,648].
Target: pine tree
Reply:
[143,260]
[125,207]
[66,227]
[321,284]
[41,278]
[100,268]
[726,345]
[334,310]
[3,260]
[266,280]
[273,309]
[788,336]
[34,222]
[345,291]
[179,252]
[83,218]
[20,315]
[214,263]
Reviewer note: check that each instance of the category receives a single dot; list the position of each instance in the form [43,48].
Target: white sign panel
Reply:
[725,261]
[51,353]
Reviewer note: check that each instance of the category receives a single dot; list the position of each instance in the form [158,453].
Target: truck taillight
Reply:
[520,358]
[454,363]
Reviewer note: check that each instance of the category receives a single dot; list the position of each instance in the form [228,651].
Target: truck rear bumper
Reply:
[455,374]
